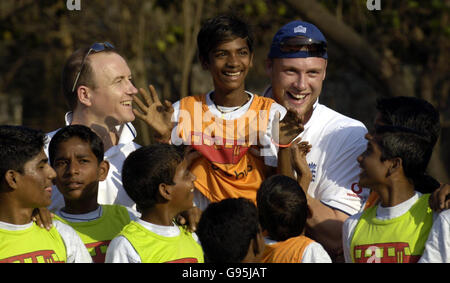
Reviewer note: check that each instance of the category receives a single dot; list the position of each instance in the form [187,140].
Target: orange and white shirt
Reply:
[227,168]
[300,249]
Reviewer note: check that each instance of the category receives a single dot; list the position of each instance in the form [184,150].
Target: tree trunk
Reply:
[191,28]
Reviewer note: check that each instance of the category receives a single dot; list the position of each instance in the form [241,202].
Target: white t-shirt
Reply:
[437,247]
[270,154]
[120,250]
[314,252]
[110,191]
[75,248]
[337,141]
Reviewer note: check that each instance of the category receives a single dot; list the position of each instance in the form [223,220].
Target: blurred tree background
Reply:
[402,49]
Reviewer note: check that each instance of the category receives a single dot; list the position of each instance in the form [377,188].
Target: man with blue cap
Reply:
[296,65]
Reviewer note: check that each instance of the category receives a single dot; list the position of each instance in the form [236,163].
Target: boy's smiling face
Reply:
[36,182]
[229,64]
[183,189]
[373,170]
[78,170]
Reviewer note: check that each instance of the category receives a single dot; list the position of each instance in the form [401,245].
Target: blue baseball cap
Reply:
[298,39]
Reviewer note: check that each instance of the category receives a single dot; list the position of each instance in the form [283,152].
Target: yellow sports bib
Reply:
[97,234]
[153,248]
[398,240]
[32,245]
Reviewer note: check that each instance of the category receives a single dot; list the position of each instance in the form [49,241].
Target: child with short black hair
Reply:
[76,154]
[230,233]
[283,210]
[26,180]
[396,229]
[417,115]
[158,179]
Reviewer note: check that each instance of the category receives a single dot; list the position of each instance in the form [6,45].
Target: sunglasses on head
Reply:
[301,43]
[96,47]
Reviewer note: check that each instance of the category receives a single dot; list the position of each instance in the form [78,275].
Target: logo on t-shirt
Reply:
[313,168]
[98,250]
[385,253]
[44,256]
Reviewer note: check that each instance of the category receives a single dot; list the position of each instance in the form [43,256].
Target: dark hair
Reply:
[226,229]
[414,115]
[148,167]
[18,145]
[414,150]
[70,71]
[220,29]
[83,133]
[282,207]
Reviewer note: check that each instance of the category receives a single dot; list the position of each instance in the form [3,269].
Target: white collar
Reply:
[229,115]
[384,213]
[166,231]
[90,216]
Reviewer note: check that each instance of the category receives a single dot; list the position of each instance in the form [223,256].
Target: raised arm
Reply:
[155,114]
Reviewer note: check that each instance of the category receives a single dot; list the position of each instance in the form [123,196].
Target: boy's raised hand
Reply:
[156,114]
[286,130]
[304,175]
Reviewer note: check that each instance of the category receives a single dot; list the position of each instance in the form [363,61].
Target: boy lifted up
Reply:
[227,123]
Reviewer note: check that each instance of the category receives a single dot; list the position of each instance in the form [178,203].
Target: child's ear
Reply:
[103,169]
[165,191]
[12,177]
[396,166]
[204,62]
[251,59]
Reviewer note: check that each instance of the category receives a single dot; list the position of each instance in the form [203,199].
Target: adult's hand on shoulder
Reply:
[440,198]
[43,217]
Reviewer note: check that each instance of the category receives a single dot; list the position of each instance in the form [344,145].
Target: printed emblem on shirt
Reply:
[44,256]
[97,250]
[313,168]
[385,253]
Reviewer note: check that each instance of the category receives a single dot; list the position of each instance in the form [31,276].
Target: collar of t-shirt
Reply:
[230,112]
[90,216]
[14,227]
[127,133]
[165,231]
[385,213]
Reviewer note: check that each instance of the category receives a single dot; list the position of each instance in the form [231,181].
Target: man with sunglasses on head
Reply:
[296,65]
[98,87]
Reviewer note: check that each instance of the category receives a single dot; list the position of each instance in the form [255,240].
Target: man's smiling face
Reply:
[297,82]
